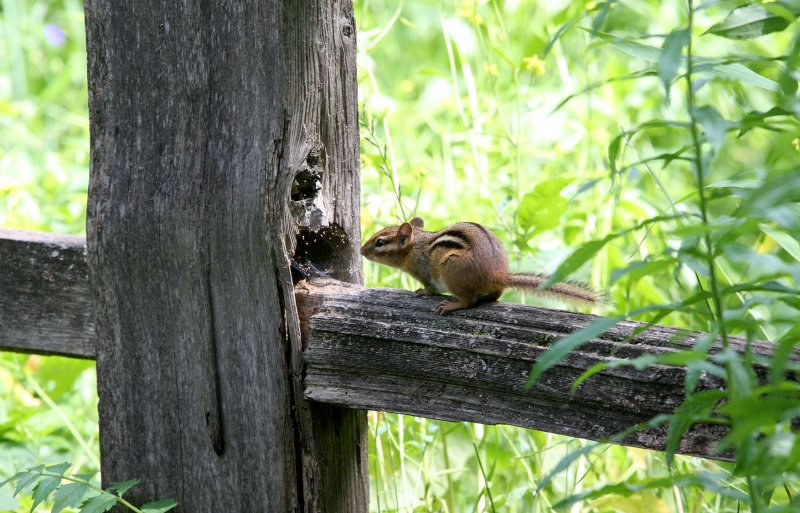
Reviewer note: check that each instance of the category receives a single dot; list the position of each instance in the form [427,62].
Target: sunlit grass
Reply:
[475,119]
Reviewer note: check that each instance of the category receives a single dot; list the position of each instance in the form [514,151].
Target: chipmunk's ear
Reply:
[417,222]
[405,232]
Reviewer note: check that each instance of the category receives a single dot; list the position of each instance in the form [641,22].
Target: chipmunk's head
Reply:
[391,245]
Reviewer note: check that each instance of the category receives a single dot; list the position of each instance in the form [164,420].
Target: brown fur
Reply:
[466,260]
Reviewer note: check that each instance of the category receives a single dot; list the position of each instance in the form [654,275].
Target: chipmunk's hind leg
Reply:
[462,302]
[448,306]
[470,291]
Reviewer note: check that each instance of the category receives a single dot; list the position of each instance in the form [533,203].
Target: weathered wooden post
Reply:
[222,133]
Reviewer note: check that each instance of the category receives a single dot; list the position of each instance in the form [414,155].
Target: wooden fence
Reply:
[378,349]
[224,145]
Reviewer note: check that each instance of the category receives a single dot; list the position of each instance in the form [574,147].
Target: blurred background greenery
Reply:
[473,110]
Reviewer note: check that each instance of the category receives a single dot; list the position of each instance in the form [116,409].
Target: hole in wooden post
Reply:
[308,180]
[306,185]
[320,254]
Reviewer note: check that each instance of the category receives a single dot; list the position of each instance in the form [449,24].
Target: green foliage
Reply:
[48,413]
[76,491]
[680,195]
[754,20]
[549,123]
[44,121]
[564,346]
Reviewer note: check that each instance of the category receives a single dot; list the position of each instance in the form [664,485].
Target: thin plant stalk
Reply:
[700,172]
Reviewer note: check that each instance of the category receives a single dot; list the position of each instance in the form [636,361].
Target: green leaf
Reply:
[637,270]
[578,257]
[541,209]
[12,478]
[676,358]
[715,68]
[695,370]
[87,476]
[159,506]
[756,119]
[749,21]
[564,463]
[562,347]
[696,407]
[743,382]
[704,66]
[671,55]
[25,480]
[591,371]
[69,496]
[124,486]
[43,490]
[667,157]
[38,469]
[714,125]
[613,152]
[614,146]
[713,483]
[784,240]
[59,468]
[99,503]
[781,188]
[600,19]
[788,78]
[566,26]
[784,347]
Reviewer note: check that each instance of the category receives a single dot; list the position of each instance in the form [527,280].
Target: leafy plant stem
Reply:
[678,220]
[699,171]
[754,493]
[386,169]
[95,488]
[393,468]
[451,500]
[483,473]
[379,457]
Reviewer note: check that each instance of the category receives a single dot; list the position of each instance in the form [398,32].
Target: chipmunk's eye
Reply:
[380,242]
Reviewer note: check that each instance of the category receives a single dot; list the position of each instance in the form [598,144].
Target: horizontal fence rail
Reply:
[45,304]
[385,349]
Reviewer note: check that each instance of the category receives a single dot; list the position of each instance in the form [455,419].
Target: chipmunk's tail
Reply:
[577,293]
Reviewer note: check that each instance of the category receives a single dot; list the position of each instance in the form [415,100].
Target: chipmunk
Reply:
[466,260]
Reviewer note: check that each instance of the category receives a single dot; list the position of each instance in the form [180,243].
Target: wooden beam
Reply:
[45,305]
[384,349]
[219,130]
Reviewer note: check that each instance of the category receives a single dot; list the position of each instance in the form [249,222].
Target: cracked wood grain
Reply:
[201,115]
[383,349]
[45,305]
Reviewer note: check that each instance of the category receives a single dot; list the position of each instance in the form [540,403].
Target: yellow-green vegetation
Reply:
[569,128]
